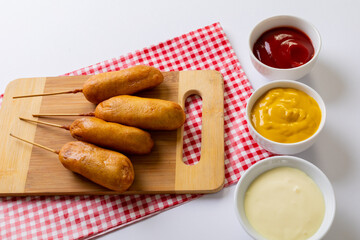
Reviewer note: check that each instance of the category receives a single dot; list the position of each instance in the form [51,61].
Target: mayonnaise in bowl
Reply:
[285,197]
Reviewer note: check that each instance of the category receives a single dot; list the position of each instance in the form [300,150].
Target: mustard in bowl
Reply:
[285,116]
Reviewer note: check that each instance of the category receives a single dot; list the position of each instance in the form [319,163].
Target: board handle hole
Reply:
[192,130]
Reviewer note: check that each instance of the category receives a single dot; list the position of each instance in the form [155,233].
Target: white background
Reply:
[49,38]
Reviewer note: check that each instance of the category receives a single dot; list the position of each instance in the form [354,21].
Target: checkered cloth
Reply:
[58,217]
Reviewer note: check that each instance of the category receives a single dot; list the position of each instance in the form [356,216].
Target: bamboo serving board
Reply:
[29,170]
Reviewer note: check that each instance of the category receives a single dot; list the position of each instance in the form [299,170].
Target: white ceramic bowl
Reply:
[285,21]
[285,161]
[284,148]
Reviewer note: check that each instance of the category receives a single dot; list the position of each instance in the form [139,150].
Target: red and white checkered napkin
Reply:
[85,216]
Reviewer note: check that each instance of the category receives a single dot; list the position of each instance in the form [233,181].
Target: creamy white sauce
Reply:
[284,204]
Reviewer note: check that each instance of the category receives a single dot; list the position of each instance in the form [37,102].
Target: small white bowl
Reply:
[285,21]
[285,161]
[284,148]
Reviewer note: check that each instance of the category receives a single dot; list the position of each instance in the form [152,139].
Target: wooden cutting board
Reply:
[28,170]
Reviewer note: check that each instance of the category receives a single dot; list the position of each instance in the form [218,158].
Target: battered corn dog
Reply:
[128,81]
[106,85]
[115,136]
[145,113]
[107,168]
[110,135]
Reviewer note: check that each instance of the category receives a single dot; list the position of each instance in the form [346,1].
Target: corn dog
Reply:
[106,85]
[115,136]
[145,113]
[109,135]
[107,168]
[128,81]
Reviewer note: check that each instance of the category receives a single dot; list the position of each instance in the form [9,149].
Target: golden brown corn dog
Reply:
[128,81]
[110,135]
[102,86]
[146,113]
[115,136]
[104,167]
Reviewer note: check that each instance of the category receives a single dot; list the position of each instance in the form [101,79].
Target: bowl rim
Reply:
[276,83]
[322,231]
[313,59]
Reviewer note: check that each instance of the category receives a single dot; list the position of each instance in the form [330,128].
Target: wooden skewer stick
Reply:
[91,114]
[48,94]
[45,123]
[36,144]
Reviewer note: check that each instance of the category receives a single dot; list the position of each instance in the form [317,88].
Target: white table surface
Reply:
[49,38]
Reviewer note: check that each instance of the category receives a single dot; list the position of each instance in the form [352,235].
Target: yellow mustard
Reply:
[286,115]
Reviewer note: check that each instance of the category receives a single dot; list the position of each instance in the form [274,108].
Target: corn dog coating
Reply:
[107,168]
[146,113]
[110,135]
[127,81]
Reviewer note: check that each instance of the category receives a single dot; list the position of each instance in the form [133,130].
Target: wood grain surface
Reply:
[28,170]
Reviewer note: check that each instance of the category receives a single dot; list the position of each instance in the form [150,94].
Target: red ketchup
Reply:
[283,47]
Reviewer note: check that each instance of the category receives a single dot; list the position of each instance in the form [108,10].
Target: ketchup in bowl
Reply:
[283,47]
